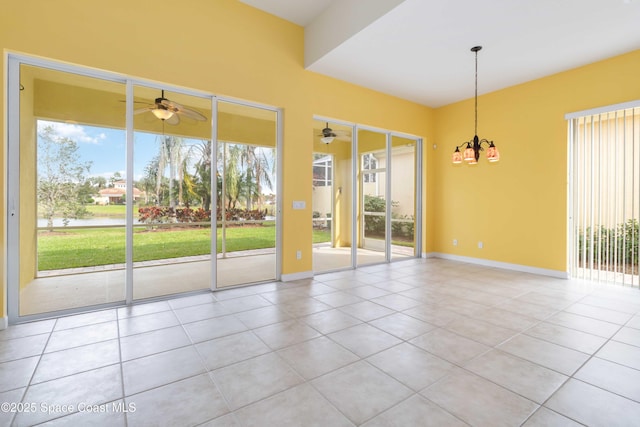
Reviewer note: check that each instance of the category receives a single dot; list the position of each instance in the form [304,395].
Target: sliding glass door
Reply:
[171,192]
[373,200]
[331,198]
[115,187]
[66,143]
[246,194]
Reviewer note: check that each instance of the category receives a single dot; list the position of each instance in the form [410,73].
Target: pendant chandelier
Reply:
[472,151]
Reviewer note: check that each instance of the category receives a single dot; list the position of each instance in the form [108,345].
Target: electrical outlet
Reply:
[480,245]
[298,254]
[455,242]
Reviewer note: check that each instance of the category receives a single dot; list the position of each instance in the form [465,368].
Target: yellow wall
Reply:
[222,47]
[518,206]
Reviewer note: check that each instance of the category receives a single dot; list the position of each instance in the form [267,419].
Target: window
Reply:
[604,205]
[322,171]
[369,162]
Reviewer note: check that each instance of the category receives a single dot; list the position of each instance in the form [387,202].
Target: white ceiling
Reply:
[420,49]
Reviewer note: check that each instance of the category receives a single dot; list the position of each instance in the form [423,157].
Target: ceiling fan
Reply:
[328,134]
[169,111]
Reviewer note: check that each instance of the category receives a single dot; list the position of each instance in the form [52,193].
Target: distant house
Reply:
[114,195]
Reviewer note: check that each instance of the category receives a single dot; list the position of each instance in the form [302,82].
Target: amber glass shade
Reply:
[469,154]
[493,155]
[457,156]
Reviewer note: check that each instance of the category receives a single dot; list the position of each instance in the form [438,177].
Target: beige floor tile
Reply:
[552,301]
[147,343]
[614,303]
[366,311]
[547,418]
[483,332]
[410,365]
[624,354]
[634,323]
[330,321]
[254,379]
[567,337]
[200,312]
[203,298]
[396,302]
[78,359]
[317,357]
[479,402]
[262,316]
[415,411]
[11,397]
[449,346]
[147,322]
[19,348]
[361,391]
[605,314]
[27,329]
[520,376]
[402,326]
[83,335]
[231,349]
[552,356]
[110,414]
[142,309]
[584,324]
[62,396]
[217,327]
[188,402]
[611,376]
[434,314]
[593,406]
[246,303]
[628,335]
[303,307]
[284,334]
[504,318]
[364,340]
[523,308]
[338,299]
[367,292]
[17,373]
[160,369]
[229,420]
[85,319]
[299,406]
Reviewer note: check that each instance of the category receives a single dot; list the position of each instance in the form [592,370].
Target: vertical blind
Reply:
[604,194]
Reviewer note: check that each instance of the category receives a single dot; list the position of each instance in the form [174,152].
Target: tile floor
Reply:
[414,343]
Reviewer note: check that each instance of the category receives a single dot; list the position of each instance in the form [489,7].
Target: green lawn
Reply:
[102,246]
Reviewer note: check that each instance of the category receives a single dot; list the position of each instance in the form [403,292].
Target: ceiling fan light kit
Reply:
[327,135]
[472,150]
[169,111]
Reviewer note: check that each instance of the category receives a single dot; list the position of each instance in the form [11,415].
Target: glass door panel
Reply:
[332,198]
[171,193]
[71,248]
[403,209]
[246,197]
[372,152]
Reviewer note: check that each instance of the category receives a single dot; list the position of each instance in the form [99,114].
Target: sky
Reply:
[105,147]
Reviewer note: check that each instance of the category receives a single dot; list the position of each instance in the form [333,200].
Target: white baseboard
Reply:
[4,322]
[429,255]
[296,276]
[504,265]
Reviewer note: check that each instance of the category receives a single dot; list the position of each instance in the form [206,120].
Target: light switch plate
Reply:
[299,204]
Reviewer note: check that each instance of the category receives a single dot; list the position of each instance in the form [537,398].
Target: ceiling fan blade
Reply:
[170,105]
[142,110]
[192,114]
[173,120]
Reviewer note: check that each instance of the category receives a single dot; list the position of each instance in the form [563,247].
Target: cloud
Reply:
[74,132]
